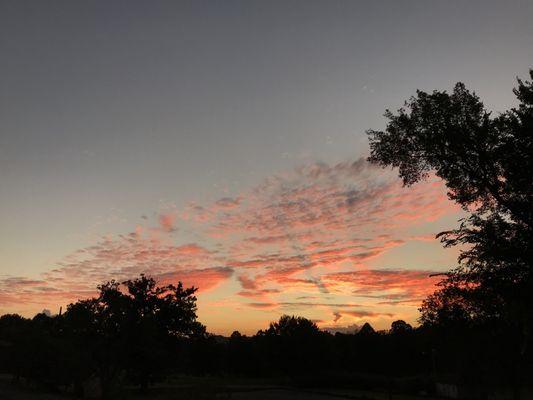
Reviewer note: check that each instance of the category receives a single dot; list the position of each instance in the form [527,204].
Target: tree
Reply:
[486,163]
[14,331]
[158,317]
[366,330]
[135,325]
[292,326]
[82,336]
[294,345]
[400,327]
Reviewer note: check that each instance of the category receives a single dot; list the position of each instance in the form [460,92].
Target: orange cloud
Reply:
[389,286]
[309,232]
[167,221]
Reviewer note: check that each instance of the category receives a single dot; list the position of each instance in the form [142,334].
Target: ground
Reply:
[207,389]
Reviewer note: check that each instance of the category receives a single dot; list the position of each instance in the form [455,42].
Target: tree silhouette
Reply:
[292,326]
[158,316]
[67,351]
[366,330]
[294,345]
[84,339]
[400,327]
[135,326]
[486,163]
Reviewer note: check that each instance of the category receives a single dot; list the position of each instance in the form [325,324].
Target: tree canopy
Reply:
[131,326]
[486,163]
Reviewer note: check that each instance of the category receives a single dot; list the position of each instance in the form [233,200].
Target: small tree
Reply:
[366,330]
[400,327]
[292,326]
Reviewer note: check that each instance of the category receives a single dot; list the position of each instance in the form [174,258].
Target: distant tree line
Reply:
[137,333]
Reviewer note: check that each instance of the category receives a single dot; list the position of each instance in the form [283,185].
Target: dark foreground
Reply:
[205,389]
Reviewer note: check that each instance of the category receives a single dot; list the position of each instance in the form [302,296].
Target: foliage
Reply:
[130,327]
[62,352]
[486,164]
[291,326]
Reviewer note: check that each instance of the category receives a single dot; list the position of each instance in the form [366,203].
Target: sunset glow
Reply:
[317,241]
[224,146]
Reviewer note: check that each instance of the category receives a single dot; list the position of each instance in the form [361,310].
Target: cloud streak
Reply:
[313,232]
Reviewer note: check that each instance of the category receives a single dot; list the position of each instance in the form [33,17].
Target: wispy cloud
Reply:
[310,232]
[167,220]
[389,286]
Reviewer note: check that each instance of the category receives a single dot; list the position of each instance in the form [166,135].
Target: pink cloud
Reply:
[167,221]
[306,232]
[359,314]
[228,202]
[204,279]
[389,286]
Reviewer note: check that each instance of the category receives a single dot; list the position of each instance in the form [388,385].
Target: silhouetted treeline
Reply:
[63,352]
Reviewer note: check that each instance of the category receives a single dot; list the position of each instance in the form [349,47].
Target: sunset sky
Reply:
[223,144]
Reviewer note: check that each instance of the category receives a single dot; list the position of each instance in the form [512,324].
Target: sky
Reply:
[222,143]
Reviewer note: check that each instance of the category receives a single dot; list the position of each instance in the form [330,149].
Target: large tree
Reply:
[486,162]
[134,326]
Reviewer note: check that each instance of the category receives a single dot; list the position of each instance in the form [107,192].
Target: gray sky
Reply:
[110,110]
